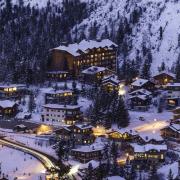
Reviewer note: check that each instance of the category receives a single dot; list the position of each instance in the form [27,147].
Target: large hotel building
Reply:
[73,58]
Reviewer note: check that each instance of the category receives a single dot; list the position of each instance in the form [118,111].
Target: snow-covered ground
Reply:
[18,164]
[41,144]
[164,170]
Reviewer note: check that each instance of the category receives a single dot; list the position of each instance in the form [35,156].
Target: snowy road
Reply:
[45,160]
[151,126]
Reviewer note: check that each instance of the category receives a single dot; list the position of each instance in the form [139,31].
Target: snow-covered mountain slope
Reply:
[156,14]
[158,26]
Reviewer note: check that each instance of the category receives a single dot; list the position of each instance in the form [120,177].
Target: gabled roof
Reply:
[93,147]
[165,72]
[123,131]
[142,97]
[58,106]
[94,70]
[84,45]
[175,127]
[142,91]
[83,126]
[113,79]
[150,136]
[7,104]
[12,85]
[147,147]
[52,91]
[173,85]
[139,82]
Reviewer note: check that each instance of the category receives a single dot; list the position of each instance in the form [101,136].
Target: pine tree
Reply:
[122,115]
[31,104]
[89,173]
[146,71]
[170,175]
[177,69]
[153,174]
[114,152]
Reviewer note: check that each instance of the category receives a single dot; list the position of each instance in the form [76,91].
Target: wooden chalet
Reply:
[85,154]
[94,74]
[120,135]
[171,132]
[83,133]
[64,133]
[139,102]
[111,83]
[173,95]
[149,138]
[73,58]
[176,115]
[148,153]
[8,108]
[143,84]
[163,78]
[12,90]
[58,96]
[57,75]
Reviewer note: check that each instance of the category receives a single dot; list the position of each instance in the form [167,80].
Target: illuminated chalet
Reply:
[74,58]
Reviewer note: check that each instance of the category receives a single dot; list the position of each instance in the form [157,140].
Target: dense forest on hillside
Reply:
[27,33]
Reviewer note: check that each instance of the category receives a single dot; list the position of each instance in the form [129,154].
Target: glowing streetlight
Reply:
[121,91]
[74,170]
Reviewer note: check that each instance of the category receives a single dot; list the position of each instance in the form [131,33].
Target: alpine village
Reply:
[89,90]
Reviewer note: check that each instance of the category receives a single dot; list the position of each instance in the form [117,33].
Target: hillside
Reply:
[156,16]
[141,28]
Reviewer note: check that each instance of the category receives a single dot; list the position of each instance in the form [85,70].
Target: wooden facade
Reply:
[94,74]
[59,97]
[57,75]
[140,102]
[8,110]
[80,134]
[86,154]
[64,58]
[171,132]
[143,84]
[164,78]
[112,83]
[12,91]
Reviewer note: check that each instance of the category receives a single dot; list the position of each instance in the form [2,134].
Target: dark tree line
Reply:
[108,107]
[27,33]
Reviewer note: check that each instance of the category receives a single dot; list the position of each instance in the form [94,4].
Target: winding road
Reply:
[48,161]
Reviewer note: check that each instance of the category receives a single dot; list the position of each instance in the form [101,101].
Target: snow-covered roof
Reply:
[7,104]
[90,148]
[175,127]
[21,126]
[115,178]
[139,82]
[58,106]
[147,147]
[52,91]
[165,72]
[83,126]
[173,85]
[143,97]
[111,79]
[84,45]
[150,136]
[12,85]
[93,70]
[124,130]
[142,91]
